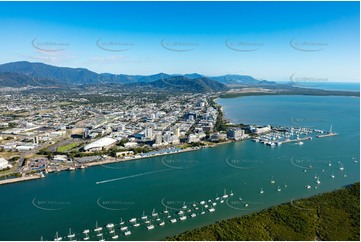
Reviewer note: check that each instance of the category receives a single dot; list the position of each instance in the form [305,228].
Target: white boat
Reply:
[100,234]
[278,189]
[222,201]
[354,160]
[272,180]
[173,220]
[136,225]
[225,195]
[57,238]
[183,218]
[330,164]
[144,216]
[123,228]
[246,205]
[308,186]
[184,205]
[202,202]
[115,236]
[214,204]
[203,212]
[102,239]
[194,205]
[231,194]
[180,212]
[86,237]
[121,221]
[127,233]
[133,220]
[86,231]
[97,228]
[154,213]
[147,221]
[261,191]
[206,206]
[162,223]
[211,210]
[332,176]
[109,226]
[112,231]
[341,168]
[193,215]
[189,210]
[70,235]
[166,210]
[318,180]
[300,143]
[151,226]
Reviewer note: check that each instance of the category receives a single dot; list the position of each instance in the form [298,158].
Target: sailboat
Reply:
[272,180]
[225,195]
[261,191]
[115,236]
[278,189]
[341,168]
[166,210]
[57,238]
[121,221]
[97,228]
[70,235]
[318,180]
[154,213]
[150,226]
[332,175]
[144,216]
[162,223]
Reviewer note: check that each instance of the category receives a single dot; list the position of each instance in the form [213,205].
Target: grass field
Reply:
[67,147]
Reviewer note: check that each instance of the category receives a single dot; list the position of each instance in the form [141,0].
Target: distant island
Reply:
[329,216]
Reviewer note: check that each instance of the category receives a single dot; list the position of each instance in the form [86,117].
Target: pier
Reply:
[19,179]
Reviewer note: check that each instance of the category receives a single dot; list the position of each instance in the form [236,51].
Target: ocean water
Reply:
[77,200]
[333,86]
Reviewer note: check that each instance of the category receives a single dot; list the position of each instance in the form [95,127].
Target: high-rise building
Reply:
[148,133]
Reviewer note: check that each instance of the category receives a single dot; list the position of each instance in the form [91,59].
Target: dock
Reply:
[297,140]
[19,179]
[326,135]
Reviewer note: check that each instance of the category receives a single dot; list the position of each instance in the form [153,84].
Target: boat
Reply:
[332,175]
[273,180]
[206,206]
[173,220]
[225,195]
[97,228]
[231,194]
[154,213]
[162,223]
[100,234]
[109,226]
[166,210]
[102,239]
[112,231]
[189,210]
[71,168]
[184,205]
[278,189]
[330,164]
[70,235]
[151,226]
[354,160]
[86,231]
[222,201]
[341,168]
[144,216]
[300,143]
[133,220]
[261,191]
[318,180]
[147,221]
[193,215]
[86,237]
[202,202]
[211,210]
[203,212]
[183,218]
[123,228]
[246,205]
[136,225]
[126,233]
[308,186]
[57,238]
[180,212]
[214,204]
[115,236]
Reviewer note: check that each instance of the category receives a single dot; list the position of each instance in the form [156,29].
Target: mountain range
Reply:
[22,73]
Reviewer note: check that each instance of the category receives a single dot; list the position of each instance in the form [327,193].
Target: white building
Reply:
[192,138]
[4,163]
[263,129]
[148,133]
[103,143]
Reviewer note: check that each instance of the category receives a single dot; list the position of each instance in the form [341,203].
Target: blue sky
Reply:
[268,40]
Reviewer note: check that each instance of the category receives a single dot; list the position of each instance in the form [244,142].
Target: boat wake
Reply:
[132,176]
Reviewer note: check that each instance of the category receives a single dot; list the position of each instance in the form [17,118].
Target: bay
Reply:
[74,200]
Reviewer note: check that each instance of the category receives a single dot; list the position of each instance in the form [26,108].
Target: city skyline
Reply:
[267,40]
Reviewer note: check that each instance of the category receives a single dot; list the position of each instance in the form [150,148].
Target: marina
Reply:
[73,199]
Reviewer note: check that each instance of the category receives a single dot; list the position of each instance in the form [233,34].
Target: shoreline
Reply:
[19,179]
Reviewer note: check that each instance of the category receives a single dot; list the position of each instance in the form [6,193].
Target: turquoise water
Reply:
[74,200]
[333,86]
